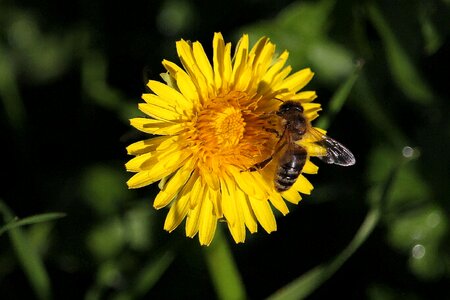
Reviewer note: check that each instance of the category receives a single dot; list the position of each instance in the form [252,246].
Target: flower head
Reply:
[214,122]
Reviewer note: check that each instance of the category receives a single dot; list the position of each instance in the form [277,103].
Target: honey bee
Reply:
[292,157]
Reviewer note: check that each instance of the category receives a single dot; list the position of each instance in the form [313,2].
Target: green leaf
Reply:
[28,256]
[403,69]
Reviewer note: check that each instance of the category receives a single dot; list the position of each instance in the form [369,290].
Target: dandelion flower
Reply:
[210,123]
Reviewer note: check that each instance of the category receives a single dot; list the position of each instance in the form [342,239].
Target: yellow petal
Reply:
[204,65]
[305,96]
[249,216]
[174,185]
[218,58]
[146,146]
[303,185]
[160,113]
[207,222]
[264,214]
[228,190]
[311,110]
[298,80]
[183,81]
[215,197]
[277,82]
[246,182]
[235,210]
[292,196]
[240,62]
[157,171]
[269,76]
[278,203]
[135,164]
[180,208]
[167,97]
[211,179]
[143,162]
[197,193]
[192,221]
[262,54]
[310,168]
[187,59]
[221,62]
[156,126]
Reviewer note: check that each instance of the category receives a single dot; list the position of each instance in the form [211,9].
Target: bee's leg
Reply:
[274,131]
[260,165]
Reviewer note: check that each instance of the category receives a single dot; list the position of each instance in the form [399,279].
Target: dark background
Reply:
[72,73]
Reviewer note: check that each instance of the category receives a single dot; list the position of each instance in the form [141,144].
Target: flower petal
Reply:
[135,164]
[264,214]
[240,73]
[192,221]
[174,185]
[249,215]
[190,65]
[304,96]
[221,62]
[298,80]
[183,81]
[303,185]
[268,78]
[228,191]
[246,182]
[292,196]
[159,112]
[278,203]
[204,66]
[207,221]
[167,97]
[180,208]
[145,146]
[157,126]
[163,168]
[310,168]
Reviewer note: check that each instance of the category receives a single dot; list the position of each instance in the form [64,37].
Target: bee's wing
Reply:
[336,153]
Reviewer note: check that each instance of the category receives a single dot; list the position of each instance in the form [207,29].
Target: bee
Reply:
[292,157]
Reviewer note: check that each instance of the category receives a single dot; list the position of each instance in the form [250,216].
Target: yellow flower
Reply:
[214,122]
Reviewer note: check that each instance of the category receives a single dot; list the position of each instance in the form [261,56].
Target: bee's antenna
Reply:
[278,99]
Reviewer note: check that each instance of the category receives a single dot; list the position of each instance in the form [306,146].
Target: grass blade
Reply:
[28,257]
[307,283]
[31,220]
[339,97]
[403,70]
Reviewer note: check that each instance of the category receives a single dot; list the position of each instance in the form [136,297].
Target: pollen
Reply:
[230,131]
[222,122]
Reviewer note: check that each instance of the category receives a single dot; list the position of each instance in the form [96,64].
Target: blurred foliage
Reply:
[71,74]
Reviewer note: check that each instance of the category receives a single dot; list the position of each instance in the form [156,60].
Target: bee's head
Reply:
[289,107]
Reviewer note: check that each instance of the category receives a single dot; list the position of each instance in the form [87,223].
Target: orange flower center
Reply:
[229,130]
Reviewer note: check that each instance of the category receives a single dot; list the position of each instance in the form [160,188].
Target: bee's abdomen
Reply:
[289,168]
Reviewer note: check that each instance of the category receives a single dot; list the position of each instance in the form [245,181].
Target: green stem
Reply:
[222,267]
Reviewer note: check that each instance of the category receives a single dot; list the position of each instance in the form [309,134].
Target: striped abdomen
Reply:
[290,166]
